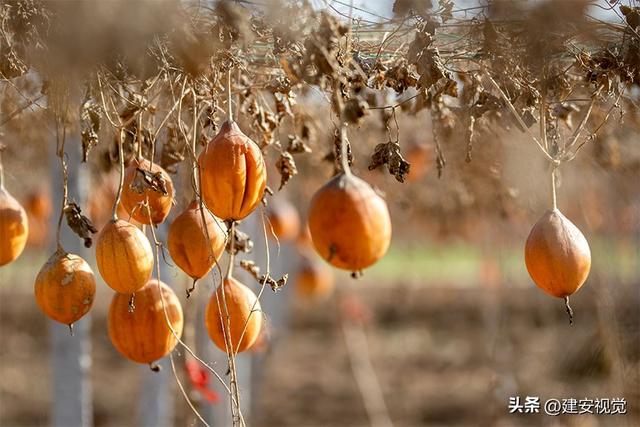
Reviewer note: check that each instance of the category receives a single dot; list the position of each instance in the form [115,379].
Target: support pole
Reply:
[71,355]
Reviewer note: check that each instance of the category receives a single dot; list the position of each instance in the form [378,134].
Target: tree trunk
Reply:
[71,355]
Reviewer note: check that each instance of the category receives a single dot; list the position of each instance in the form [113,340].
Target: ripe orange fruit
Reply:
[557,255]
[284,219]
[159,202]
[349,223]
[100,201]
[233,174]
[143,335]
[244,312]
[124,256]
[38,204]
[314,279]
[188,244]
[14,228]
[420,156]
[65,287]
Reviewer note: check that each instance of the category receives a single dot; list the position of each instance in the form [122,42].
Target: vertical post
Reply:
[275,306]
[155,407]
[71,355]
[156,402]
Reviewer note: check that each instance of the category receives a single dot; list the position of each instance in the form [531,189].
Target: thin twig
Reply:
[513,110]
[1,171]
[114,213]
[583,122]
[20,109]
[229,106]
[183,392]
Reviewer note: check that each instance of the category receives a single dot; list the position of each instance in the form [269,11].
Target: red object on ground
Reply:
[199,378]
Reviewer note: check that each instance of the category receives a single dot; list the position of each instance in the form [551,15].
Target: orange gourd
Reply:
[420,156]
[39,208]
[233,174]
[65,287]
[14,228]
[303,241]
[143,334]
[243,309]
[284,219]
[100,202]
[349,223]
[557,255]
[124,256]
[159,202]
[314,279]
[38,204]
[189,246]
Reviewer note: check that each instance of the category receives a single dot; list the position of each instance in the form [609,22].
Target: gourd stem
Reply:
[232,247]
[1,171]
[337,98]
[343,150]
[114,212]
[554,201]
[65,177]
[192,288]
[132,303]
[229,107]
[196,186]
[569,310]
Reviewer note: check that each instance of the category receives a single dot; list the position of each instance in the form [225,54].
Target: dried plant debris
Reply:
[173,150]
[263,279]
[355,110]
[146,180]
[286,167]
[90,116]
[431,56]
[242,242]
[297,145]
[335,155]
[80,224]
[389,154]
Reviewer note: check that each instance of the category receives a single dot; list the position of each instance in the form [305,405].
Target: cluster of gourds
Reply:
[348,223]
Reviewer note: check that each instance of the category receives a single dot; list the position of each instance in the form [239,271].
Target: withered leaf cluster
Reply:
[389,154]
[90,119]
[146,180]
[163,77]
[79,223]
[242,242]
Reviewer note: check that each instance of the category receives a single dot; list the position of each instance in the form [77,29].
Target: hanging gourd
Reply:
[349,223]
[150,330]
[233,174]
[557,256]
[196,247]
[65,287]
[284,220]
[233,316]
[314,279]
[14,227]
[145,182]
[124,256]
